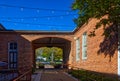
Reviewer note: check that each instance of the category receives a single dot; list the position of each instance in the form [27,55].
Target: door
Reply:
[12,53]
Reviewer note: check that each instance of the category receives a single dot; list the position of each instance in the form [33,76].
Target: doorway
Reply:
[49,57]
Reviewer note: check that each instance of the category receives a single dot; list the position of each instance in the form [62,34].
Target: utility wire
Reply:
[43,9]
[37,24]
[36,17]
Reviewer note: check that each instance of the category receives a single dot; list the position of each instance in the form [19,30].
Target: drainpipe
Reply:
[119,61]
[118,51]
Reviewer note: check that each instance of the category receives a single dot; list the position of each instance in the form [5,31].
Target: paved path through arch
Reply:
[55,75]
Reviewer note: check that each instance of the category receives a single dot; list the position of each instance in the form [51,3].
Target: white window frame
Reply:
[84,46]
[77,49]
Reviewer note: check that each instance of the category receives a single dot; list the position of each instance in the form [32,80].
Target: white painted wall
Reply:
[119,61]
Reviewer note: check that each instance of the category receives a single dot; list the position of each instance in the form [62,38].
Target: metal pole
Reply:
[52,56]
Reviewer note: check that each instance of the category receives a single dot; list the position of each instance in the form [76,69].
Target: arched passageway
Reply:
[64,44]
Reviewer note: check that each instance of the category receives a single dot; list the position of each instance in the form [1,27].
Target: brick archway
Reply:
[53,42]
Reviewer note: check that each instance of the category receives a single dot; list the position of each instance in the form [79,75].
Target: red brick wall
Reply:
[94,62]
[25,55]
[24,50]
[25,47]
[100,62]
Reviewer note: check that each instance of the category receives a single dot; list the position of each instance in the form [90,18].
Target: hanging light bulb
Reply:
[48,18]
[27,24]
[67,13]
[22,19]
[74,16]
[61,17]
[38,11]
[53,12]
[35,19]
[8,19]
[2,7]
[15,24]
[21,9]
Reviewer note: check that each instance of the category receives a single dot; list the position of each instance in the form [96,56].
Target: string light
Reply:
[21,9]
[15,24]
[67,13]
[74,16]
[12,6]
[38,24]
[8,19]
[38,11]
[37,16]
[35,19]
[48,18]
[22,19]
[27,24]
[61,17]
[53,12]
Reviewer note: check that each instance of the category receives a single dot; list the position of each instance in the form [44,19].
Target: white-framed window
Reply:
[13,54]
[77,49]
[84,45]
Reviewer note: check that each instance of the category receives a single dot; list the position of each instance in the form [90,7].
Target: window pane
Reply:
[77,49]
[11,46]
[15,57]
[84,46]
[12,55]
[15,46]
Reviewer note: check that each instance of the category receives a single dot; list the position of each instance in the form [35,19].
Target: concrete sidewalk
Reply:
[55,75]
[37,75]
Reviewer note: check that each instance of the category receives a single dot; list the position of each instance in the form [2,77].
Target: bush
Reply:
[57,66]
[41,66]
[33,69]
[84,75]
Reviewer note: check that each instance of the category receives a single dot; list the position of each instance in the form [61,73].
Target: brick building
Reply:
[97,53]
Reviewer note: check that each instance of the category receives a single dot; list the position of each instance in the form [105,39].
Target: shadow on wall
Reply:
[102,75]
[67,54]
[110,43]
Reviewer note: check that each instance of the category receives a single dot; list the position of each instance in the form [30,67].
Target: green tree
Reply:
[43,52]
[97,9]
[46,52]
[58,53]
[38,52]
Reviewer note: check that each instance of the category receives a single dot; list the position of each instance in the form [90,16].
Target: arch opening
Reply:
[49,56]
[50,43]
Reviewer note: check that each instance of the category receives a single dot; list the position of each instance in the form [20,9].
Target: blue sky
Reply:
[45,15]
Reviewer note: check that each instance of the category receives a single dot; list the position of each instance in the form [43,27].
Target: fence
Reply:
[24,77]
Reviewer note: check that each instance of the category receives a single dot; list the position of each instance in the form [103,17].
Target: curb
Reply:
[71,76]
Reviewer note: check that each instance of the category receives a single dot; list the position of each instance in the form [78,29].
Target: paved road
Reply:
[55,75]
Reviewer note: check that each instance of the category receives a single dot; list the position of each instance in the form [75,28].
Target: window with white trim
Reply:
[13,54]
[84,45]
[77,49]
